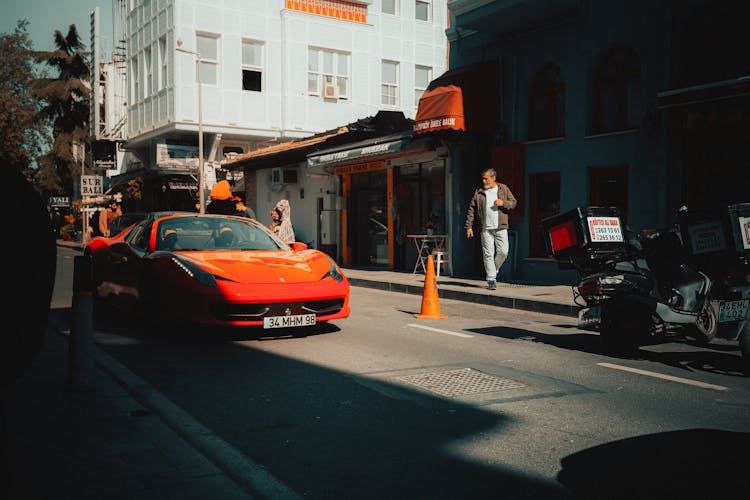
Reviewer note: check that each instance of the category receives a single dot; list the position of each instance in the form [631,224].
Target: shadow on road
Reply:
[685,464]
[715,358]
[323,432]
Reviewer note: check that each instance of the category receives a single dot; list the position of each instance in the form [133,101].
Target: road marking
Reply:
[455,334]
[665,377]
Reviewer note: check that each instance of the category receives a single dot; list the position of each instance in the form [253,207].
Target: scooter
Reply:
[632,286]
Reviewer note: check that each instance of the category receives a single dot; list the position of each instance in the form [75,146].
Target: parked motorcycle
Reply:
[718,243]
[633,286]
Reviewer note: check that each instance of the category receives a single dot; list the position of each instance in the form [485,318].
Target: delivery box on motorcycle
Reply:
[584,233]
[717,236]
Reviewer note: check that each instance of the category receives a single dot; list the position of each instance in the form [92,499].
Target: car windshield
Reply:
[199,233]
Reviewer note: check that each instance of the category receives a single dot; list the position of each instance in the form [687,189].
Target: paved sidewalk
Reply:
[548,299]
[99,444]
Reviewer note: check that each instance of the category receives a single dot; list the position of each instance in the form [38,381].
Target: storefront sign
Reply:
[92,185]
[359,168]
[175,155]
[59,201]
[357,153]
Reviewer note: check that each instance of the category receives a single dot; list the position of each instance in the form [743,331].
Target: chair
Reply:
[441,261]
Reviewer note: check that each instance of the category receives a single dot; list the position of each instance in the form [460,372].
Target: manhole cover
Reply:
[460,382]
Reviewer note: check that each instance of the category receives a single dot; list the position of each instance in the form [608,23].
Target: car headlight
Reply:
[334,271]
[195,272]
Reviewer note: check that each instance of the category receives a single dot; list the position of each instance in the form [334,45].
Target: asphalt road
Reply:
[486,403]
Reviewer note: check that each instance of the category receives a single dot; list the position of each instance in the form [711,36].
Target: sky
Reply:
[46,16]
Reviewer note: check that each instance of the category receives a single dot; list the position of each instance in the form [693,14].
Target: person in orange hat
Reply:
[221,199]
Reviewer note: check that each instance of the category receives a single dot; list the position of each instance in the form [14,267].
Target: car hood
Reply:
[263,267]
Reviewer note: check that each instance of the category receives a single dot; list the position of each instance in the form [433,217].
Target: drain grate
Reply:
[460,382]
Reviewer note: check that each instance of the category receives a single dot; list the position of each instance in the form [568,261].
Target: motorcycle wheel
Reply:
[705,328]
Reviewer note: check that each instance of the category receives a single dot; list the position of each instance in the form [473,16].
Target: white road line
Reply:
[455,334]
[665,377]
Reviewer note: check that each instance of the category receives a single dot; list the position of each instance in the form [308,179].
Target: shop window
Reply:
[544,201]
[608,187]
[546,104]
[615,79]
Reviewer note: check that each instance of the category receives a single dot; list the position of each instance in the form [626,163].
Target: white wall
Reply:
[284,104]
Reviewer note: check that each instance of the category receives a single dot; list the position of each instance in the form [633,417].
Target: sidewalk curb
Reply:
[475,298]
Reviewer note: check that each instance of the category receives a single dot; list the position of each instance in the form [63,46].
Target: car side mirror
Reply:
[298,246]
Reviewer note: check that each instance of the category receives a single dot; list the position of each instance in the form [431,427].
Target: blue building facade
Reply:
[623,102]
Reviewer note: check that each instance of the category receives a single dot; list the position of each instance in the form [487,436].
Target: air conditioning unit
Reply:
[330,92]
[289,176]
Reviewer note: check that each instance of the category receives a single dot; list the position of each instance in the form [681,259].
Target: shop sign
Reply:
[59,201]
[359,168]
[357,153]
[92,185]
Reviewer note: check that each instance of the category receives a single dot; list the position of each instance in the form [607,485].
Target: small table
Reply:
[425,244]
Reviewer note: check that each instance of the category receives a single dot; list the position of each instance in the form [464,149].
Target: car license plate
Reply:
[289,321]
[733,310]
[590,318]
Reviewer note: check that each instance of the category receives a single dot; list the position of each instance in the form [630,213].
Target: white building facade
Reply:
[270,70]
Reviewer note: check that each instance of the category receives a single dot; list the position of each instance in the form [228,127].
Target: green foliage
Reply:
[66,107]
[23,135]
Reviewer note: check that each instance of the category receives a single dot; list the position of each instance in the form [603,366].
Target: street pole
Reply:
[201,190]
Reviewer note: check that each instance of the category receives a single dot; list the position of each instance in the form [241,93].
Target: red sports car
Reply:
[216,270]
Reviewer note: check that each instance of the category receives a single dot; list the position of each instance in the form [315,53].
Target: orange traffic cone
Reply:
[430,305]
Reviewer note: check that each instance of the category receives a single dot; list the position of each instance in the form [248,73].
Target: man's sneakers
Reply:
[491,285]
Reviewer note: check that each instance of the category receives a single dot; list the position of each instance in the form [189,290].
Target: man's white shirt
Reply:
[491,221]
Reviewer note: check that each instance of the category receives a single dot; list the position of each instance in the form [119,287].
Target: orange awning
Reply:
[441,108]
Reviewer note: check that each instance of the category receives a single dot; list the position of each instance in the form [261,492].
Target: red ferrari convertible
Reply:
[216,270]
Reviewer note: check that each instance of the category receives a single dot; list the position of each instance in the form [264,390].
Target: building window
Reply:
[616,76]
[208,48]
[389,83]
[148,71]
[423,10]
[389,6]
[546,103]
[544,201]
[163,62]
[135,82]
[608,187]
[422,78]
[328,74]
[252,65]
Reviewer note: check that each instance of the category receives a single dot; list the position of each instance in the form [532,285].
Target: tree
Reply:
[66,106]
[22,135]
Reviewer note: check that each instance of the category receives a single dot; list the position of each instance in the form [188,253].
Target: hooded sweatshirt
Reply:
[286,231]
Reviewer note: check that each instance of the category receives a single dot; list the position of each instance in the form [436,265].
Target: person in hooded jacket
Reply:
[285,230]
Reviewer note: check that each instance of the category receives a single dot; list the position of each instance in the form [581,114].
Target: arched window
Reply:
[615,78]
[546,103]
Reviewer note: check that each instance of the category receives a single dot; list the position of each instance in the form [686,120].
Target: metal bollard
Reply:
[80,343]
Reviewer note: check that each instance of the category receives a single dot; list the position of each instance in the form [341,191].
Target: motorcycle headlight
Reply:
[612,280]
[334,272]
[195,272]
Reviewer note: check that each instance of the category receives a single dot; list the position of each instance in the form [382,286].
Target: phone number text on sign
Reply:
[605,229]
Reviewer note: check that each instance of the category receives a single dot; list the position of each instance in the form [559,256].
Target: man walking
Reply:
[488,213]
